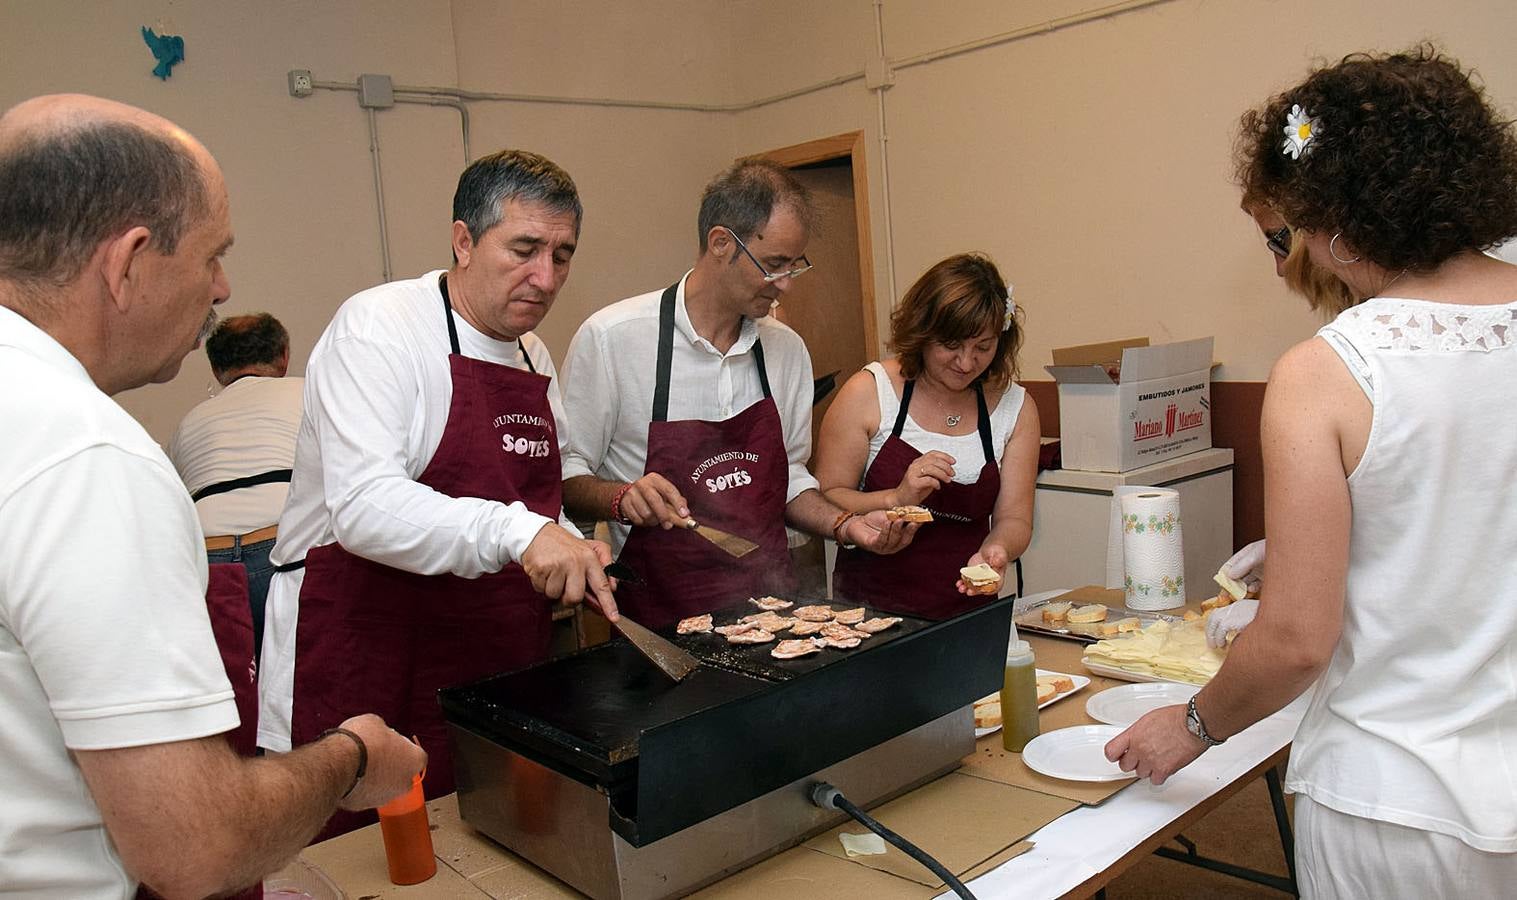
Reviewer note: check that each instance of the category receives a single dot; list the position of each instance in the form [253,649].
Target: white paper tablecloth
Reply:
[1077,846]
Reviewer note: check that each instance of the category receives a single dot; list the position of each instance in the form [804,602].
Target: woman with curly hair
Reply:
[1389,442]
[943,425]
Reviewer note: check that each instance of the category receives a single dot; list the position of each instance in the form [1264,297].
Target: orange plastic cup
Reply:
[408,837]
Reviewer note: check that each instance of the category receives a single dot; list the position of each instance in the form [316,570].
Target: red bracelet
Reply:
[842,520]
[616,504]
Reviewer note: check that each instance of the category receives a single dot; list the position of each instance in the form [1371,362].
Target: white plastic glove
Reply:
[1228,619]
[1247,565]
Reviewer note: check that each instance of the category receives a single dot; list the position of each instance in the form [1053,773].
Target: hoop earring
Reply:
[1332,247]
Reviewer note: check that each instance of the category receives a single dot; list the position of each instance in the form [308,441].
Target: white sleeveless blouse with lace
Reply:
[1415,718]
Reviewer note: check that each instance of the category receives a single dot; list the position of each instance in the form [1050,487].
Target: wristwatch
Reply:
[1194,725]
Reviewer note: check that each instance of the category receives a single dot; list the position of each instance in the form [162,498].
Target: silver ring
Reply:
[1332,247]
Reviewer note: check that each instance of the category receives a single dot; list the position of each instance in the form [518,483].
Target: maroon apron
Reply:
[375,639]
[226,599]
[921,579]
[734,474]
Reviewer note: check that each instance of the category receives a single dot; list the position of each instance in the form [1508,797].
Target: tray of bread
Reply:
[1052,687]
[1086,622]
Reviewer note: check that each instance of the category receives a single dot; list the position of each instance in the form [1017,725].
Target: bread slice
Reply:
[1045,691]
[1217,602]
[987,713]
[1120,626]
[981,579]
[1191,615]
[1087,615]
[1061,683]
[1055,613]
[909,513]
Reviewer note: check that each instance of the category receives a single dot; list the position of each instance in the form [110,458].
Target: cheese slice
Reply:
[978,574]
[1238,589]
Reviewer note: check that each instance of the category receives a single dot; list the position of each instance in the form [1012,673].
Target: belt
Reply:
[228,541]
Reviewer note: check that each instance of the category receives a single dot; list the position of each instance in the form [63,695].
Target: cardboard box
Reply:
[1156,406]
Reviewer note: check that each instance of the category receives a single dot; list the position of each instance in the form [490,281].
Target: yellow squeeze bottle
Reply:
[1019,698]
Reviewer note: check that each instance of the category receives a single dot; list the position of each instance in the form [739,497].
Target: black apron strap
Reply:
[447,306]
[666,356]
[984,425]
[758,360]
[665,353]
[291,566]
[900,416]
[273,476]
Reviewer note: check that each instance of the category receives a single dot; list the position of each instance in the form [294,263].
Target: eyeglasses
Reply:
[770,277]
[1279,241]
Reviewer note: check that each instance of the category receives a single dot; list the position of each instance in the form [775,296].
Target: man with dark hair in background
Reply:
[113,223]
[236,450]
[422,531]
[694,403]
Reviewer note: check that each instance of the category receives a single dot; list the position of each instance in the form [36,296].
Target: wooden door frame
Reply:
[849,144]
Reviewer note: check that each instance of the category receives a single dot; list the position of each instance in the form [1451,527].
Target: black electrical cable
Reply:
[828,797]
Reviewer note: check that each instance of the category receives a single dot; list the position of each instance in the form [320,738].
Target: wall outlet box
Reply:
[300,83]
[376,92]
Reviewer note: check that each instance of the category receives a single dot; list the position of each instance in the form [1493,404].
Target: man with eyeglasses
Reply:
[690,404]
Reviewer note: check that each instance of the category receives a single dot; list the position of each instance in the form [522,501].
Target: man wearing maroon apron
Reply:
[692,405]
[419,547]
[920,579]
[686,574]
[376,637]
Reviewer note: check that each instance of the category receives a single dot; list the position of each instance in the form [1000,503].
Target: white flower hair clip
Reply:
[1011,311]
[1300,130]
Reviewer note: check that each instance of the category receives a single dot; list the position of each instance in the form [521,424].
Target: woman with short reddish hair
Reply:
[942,425]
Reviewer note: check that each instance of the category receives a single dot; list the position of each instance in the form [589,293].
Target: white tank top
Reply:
[963,447]
[1415,719]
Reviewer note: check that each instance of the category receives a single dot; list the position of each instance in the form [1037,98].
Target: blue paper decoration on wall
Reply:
[168,49]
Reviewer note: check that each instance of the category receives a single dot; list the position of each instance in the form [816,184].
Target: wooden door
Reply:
[832,306]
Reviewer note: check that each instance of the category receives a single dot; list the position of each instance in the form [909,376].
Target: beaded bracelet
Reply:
[616,504]
[841,520]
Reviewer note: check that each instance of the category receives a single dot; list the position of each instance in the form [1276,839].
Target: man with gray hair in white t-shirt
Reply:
[113,223]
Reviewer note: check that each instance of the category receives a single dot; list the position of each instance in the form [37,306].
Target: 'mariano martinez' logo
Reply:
[1173,421]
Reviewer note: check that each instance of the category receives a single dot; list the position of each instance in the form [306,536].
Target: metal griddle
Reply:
[676,783]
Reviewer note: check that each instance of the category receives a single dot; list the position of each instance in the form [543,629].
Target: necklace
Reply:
[1387,285]
[953,420]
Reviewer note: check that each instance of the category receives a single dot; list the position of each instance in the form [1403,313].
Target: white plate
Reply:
[1124,705]
[1127,675]
[1075,754]
[1080,682]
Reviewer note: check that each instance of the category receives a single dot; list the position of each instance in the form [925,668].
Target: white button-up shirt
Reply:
[609,376]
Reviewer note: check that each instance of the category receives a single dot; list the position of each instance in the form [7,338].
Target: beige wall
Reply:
[297,170]
[1092,162]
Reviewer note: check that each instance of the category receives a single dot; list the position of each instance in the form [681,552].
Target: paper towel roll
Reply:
[1153,550]
[1115,571]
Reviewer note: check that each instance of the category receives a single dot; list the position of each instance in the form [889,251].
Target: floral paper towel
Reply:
[1153,551]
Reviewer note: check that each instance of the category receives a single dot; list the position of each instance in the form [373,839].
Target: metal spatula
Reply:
[732,544]
[671,660]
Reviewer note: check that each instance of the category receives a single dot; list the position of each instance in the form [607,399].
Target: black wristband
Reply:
[363,756]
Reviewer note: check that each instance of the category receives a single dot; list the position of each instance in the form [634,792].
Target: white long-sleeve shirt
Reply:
[378,391]
[610,372]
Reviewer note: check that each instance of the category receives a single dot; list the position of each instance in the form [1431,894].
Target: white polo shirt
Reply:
[247,429]
[378,390]
[104,637]
[609,377]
